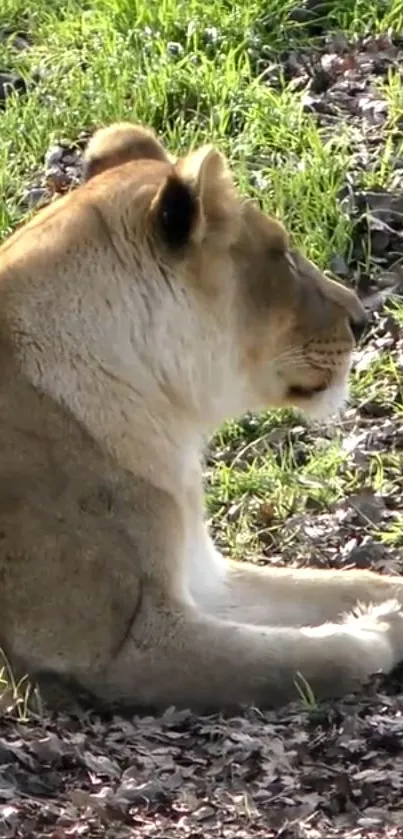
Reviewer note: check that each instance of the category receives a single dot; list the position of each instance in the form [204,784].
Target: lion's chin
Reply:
[321,404]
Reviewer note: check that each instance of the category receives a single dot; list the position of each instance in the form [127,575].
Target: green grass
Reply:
[199,70]
[195,71]
[16,697]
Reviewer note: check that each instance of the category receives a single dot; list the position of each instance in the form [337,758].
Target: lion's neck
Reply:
[152,417]
[145,433]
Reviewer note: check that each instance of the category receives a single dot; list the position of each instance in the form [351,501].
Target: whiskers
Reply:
[293,354]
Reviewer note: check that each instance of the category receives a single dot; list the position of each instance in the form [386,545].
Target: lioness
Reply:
[136,314]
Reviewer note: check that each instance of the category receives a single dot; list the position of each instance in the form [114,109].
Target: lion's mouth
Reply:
[299,392]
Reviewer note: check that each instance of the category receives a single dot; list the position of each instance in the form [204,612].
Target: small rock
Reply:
[321,81]
[380,241]
[150,793]
[101,765]
[50,749]
[390,279]
[18,40]
[368,507]
[11,83]
[53,155]
[35,196]
[367,823]
[362,556]
[339,265]
[204,813]
[314,104]
[174,49]
[372,408]
[301,14]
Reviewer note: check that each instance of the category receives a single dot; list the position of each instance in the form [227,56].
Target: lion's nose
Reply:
[358,326]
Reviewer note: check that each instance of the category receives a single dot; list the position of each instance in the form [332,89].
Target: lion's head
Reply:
[226,315]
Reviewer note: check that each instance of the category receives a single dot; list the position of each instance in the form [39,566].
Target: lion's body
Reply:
[135,315]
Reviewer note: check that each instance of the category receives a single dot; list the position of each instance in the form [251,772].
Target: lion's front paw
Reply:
[383,625]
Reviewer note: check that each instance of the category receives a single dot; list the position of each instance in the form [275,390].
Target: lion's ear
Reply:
[119,143]
[197,202]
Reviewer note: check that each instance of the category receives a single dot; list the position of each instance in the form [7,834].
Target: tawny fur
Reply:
[136,314]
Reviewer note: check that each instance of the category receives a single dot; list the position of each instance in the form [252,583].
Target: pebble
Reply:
[11,83]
